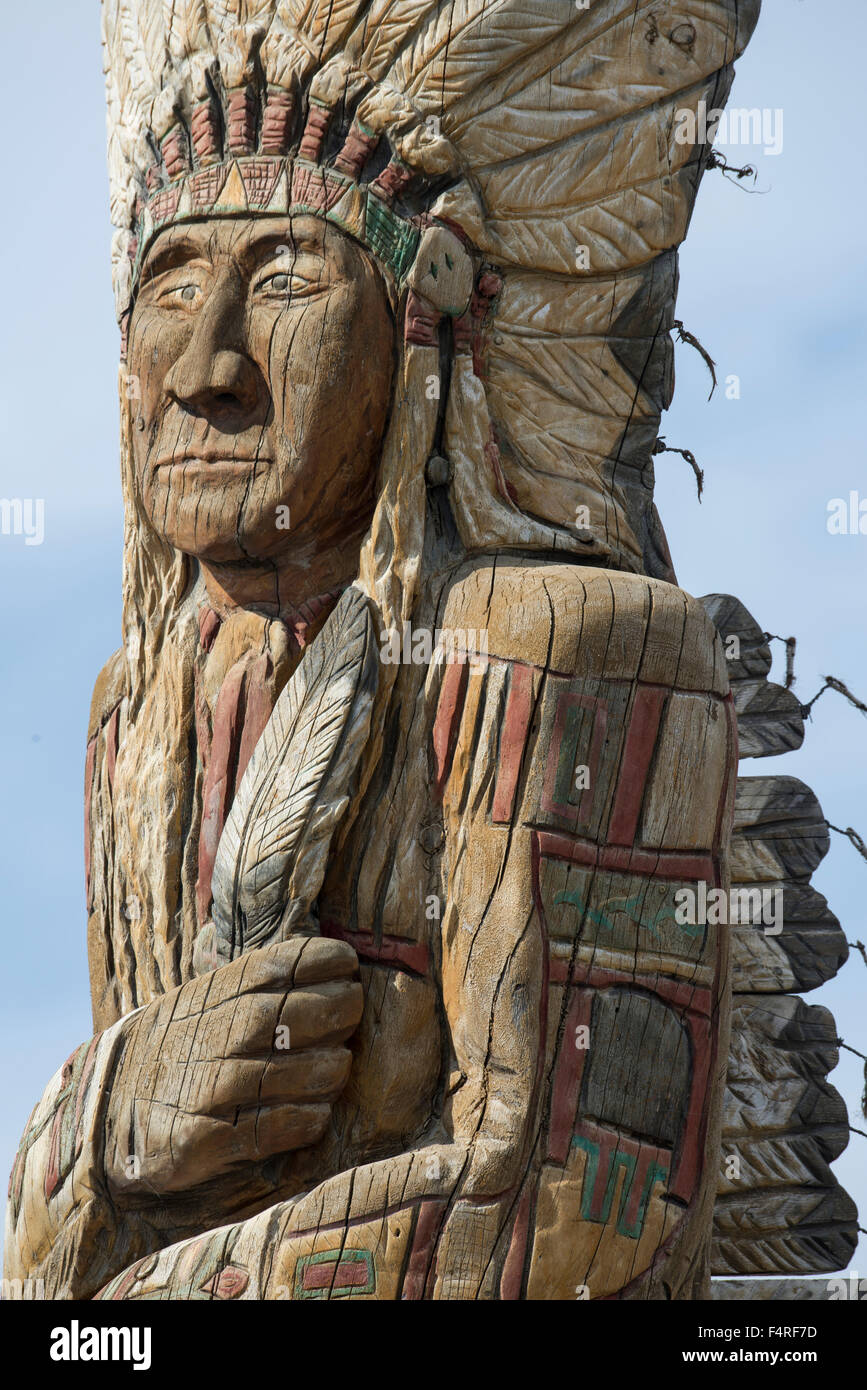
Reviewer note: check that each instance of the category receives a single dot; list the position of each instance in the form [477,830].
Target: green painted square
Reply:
[331,1257]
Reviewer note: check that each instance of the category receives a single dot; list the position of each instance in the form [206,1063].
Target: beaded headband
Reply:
[203,183]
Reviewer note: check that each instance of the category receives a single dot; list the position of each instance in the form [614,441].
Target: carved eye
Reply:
[282,283]
[305,275]
[178,296]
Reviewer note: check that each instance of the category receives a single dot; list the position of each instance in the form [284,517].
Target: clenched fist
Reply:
[232,1068]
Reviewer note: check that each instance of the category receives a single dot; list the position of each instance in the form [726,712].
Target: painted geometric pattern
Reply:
[335,1274]
[278,186]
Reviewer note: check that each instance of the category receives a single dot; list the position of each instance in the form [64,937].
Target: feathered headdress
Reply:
[542,133]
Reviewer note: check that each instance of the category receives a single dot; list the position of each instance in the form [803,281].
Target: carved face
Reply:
[263,350]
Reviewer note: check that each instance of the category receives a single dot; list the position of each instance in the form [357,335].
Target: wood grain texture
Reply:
[782,1290]
[785,1213]
[780,1209]
[393,993]
[770,720]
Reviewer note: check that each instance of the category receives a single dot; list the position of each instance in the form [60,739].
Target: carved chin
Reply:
[212,520]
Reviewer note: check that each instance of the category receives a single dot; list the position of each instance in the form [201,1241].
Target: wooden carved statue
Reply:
[413,745]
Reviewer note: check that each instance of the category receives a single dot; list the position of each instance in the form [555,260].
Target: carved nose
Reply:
[224,386]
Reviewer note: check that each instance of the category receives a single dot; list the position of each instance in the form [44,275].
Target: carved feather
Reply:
[781,1209]
[283,54]
[238,27]
[187,31]
[324,24]
[137,76]
[271,857]
[387,26]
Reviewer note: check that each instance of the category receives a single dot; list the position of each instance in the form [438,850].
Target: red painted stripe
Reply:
[558,971]
[258,708]
[679,993]
[53,1176]
[86,1072]
[647,710]
[519,708]
[422,1253]
[512,1278]
[671,864]
[348,1274]
[219,781]
[390,950]
[449,711]
[567,1078]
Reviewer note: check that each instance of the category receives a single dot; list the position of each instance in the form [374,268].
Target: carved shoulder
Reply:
[588,622]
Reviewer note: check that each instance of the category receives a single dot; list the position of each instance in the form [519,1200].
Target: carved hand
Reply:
[232,1068]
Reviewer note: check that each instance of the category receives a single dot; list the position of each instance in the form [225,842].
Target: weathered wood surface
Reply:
[782,1211]
[809,950]
[732,619]
[770,720]
[779,838]
[779,1209]
[780,831]
[395,288]
[784,1290]
[553,949]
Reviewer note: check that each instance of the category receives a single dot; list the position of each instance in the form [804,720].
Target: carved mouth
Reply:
[211,465]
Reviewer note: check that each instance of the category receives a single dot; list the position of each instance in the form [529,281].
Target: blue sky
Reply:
[773,283]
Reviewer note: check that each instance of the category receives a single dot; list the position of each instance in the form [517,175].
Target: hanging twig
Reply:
[831,683]
[841,1043]
[791,644]
[684,336]
[716,161]
[660,447]
[858,946]
[852,836]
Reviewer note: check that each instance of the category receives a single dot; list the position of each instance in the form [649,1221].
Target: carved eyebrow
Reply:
[168,254]
[181,246]
[297,239]
[262,249]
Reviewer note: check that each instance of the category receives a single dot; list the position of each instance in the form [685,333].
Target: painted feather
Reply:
[271,857]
